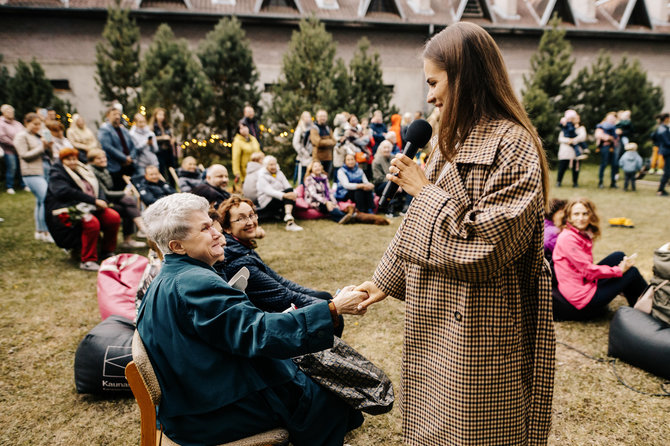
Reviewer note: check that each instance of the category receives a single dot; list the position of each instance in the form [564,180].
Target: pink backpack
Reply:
[118,279]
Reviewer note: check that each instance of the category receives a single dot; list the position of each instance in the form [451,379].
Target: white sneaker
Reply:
[48,238]
[89,266]
[38,236]
[1,219]
[291,226]
[27,189]
[11,191]
[132,244]
[288,218]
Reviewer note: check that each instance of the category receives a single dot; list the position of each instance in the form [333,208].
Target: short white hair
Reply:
[268,159]
[5,108]
[167,219]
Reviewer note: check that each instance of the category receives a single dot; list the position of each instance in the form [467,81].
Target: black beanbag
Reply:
[102,356]
[640,340]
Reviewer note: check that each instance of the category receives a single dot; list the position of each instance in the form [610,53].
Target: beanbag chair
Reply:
[118,279]
[565,311]
[102,356]
[640,340]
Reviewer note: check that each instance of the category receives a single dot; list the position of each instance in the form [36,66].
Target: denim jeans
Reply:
[11,169]
[607,158]
[38,186]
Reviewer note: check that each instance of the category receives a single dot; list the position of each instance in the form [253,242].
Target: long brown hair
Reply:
[165,124]
[478,86]
[594,221]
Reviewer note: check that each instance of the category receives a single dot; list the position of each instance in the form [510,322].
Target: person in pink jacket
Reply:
[587,286]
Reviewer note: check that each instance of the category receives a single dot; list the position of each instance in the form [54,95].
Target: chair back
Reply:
[144,384]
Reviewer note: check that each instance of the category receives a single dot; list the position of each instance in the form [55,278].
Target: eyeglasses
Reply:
[244,219]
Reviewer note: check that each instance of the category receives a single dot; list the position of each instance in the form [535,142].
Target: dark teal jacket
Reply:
[210,346]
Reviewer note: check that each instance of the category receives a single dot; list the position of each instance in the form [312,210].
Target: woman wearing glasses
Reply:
[267,290]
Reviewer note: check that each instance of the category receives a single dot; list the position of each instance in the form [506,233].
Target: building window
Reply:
[60,84]
[383,6]
[279,4]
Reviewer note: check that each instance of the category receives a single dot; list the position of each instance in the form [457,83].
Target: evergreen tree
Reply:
[117,59]
[306,81]
[368,92]
[172,78]
[342,86]
[543,90]
[227,61]
[5,79]
[604,87]
[29,88]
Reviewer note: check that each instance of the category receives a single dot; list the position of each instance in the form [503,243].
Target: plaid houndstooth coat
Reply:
[479,345]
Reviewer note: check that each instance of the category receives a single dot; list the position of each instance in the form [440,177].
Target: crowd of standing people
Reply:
[616,150]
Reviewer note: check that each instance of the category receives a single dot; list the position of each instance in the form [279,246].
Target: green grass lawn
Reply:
[48,305]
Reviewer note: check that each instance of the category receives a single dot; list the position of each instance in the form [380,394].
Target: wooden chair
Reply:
[134,191]
[144,384]
[175,177]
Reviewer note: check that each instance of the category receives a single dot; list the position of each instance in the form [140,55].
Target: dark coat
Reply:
[266,289]
[152,192]
[210,347]
[189,180]
[479,345]
[212,194]
[106,184]
[63,192]
[111,144]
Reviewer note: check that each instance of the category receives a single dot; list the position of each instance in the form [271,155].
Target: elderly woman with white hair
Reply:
[222,363]
[276,197]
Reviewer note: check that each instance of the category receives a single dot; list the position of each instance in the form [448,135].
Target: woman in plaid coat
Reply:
[479,345]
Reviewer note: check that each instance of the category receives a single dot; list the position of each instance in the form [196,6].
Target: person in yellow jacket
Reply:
[244,144]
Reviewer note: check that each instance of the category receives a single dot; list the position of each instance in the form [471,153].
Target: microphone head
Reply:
[419,133]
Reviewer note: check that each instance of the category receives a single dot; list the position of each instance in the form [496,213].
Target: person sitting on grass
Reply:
[352,184]
[276,197]
[214,186]
[552,223]
[76,211]
[319,196]
[224,365]
[189,176]
[254,167]
[122,201]
[151,187]
[589,287]
[266,289]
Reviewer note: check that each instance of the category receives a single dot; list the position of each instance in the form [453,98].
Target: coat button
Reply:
[458,316]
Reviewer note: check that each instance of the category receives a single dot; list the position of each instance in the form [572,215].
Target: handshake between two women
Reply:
[356,300]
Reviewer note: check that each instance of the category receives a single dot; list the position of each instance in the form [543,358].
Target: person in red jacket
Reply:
[587,286]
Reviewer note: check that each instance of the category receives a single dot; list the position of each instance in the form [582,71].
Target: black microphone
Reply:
[418,135]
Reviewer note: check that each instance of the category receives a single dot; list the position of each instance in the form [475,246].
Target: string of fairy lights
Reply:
[195,143]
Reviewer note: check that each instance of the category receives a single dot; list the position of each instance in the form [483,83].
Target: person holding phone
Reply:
[587,286]
[145,144]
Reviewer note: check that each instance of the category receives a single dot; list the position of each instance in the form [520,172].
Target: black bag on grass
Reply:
[349,375]
[102,356]
[640,340]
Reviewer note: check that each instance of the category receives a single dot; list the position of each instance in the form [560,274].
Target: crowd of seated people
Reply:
[121,160]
